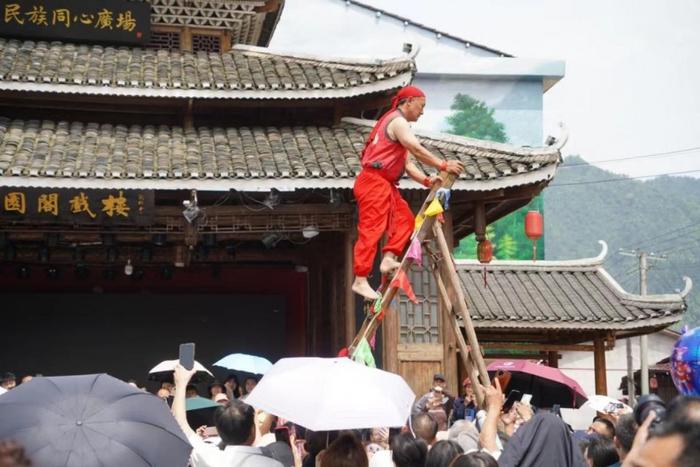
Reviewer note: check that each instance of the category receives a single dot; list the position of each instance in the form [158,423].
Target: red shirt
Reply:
[384,154]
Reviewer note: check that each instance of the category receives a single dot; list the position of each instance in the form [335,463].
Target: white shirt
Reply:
[381,459]
[209,455]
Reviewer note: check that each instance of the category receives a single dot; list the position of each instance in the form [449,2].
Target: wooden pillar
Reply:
[186,39]
[553,359]
[331,306]
[390,340]
[601,384]
[349,305]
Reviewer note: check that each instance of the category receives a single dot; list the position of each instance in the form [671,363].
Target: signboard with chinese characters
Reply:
[117,21]
[105,207]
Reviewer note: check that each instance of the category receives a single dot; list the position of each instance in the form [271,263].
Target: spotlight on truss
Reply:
[192,210]
[273,199]
[271,240]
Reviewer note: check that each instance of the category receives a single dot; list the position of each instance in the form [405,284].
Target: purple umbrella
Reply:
[547,385]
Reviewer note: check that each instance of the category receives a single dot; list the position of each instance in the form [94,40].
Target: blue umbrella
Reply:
[245,362]
[91,420]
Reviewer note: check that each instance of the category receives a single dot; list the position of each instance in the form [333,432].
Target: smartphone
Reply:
[513,397]
[526,399]
[282,434]
[187,355]
[210,432]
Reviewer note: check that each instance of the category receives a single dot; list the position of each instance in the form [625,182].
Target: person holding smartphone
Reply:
[465,408]
[234,424]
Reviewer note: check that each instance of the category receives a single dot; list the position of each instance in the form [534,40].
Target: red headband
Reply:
[405,93]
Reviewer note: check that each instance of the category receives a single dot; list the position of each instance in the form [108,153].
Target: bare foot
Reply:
[389,264]
[361,286]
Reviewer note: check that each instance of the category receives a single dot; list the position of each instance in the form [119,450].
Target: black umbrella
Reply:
[91,420]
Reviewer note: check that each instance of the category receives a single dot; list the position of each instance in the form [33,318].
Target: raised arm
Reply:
[402,132]
[489,430]
[182,378]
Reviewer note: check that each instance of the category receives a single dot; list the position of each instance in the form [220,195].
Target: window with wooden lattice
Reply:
[169,40]
[206,43]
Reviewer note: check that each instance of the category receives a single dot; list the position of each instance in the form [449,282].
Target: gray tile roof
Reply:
[243,72]
[49,149]
[561,295]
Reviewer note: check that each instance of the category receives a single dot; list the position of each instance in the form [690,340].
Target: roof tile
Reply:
[47,148]
[251,68]
[559,298]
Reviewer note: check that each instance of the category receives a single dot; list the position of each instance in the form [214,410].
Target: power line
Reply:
[622,179]
[656,154]
[668,232]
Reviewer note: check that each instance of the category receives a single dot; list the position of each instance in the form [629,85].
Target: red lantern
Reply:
[534,227]
[484,251]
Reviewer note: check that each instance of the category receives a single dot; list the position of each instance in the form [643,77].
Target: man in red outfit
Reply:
[382,209]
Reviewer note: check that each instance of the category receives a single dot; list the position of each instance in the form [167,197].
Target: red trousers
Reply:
[382,210]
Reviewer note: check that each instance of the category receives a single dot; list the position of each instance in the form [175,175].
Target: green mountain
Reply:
[661,215]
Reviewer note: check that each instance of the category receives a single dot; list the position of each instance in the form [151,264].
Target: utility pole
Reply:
[644,257]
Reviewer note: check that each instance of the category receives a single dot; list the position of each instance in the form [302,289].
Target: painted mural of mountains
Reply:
[660,215]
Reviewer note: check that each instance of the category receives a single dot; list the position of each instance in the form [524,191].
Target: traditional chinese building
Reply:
[186,184]
[568,313]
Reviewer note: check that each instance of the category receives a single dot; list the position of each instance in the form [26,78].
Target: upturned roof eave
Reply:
[389,84]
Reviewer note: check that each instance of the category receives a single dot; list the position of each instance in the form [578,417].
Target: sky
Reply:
[632,84]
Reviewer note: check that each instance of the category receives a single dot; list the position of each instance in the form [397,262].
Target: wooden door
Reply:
[416,344]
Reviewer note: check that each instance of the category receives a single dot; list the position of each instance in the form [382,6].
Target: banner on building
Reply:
[109,21]
[100,207]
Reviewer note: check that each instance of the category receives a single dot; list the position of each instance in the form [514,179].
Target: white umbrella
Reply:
[333,394]
[607,404]
[245,362]
[164,368]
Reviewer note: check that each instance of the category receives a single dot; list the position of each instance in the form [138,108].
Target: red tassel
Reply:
[343,352]
[401,281]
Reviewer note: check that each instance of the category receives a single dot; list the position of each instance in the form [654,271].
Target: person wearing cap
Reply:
[436,392]
[464,407]
[382,210]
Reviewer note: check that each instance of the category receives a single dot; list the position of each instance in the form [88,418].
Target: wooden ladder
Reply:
[449,289]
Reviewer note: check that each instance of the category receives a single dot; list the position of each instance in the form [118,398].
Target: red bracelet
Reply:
[426,182]
[443,166]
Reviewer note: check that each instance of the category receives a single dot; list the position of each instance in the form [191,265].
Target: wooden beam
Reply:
[449,328]
[538,347]
[450,317]
[460,303]
[601,384]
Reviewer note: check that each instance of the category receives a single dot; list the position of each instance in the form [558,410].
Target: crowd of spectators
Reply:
[443,431]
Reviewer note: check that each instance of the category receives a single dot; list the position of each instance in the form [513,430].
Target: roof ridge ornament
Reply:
[686,289]
[559,143]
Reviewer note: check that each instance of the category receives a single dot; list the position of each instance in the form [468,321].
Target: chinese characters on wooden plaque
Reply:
[111,207]
[117,21]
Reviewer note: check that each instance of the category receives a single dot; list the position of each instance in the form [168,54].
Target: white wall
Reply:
[579,365]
